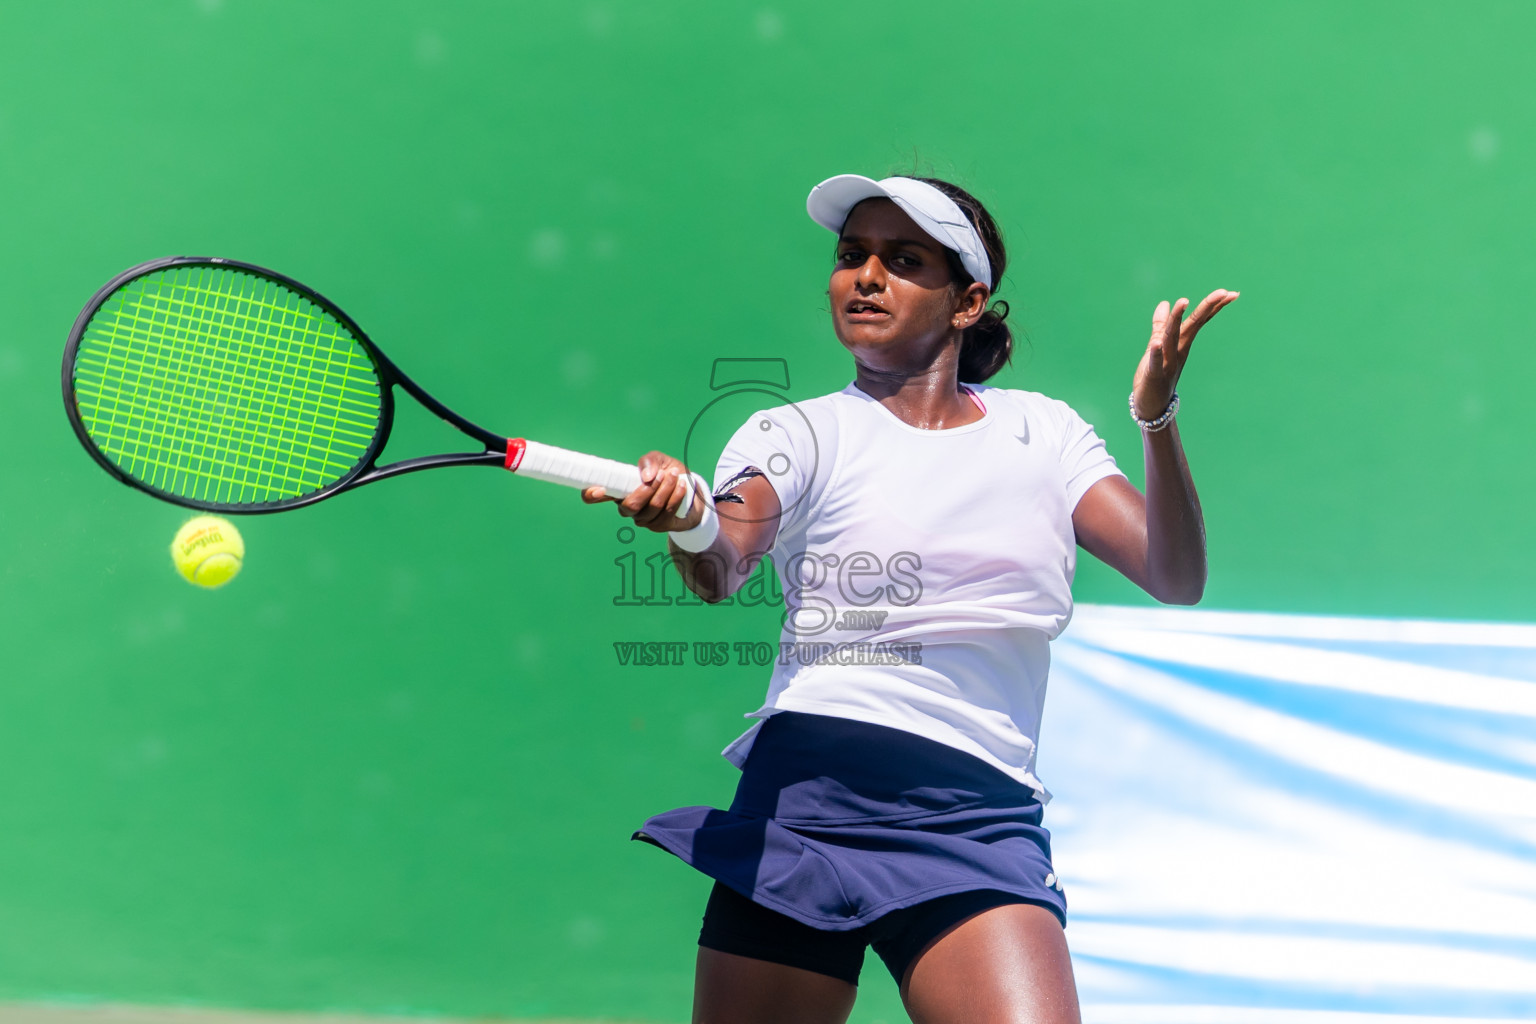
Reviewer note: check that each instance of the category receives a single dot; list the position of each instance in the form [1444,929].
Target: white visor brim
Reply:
[937,214]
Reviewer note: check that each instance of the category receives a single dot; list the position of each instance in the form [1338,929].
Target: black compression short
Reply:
[735,924]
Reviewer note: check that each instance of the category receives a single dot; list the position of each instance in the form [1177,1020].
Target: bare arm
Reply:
[1157,541]
[747,529]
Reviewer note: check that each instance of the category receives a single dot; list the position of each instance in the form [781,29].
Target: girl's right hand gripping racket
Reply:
[219,385]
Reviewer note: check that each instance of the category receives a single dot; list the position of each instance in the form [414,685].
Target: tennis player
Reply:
[925,528]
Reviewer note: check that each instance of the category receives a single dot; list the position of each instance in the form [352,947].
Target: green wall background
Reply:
[393,768]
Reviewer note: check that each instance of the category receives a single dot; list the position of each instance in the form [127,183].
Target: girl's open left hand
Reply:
[1168,350]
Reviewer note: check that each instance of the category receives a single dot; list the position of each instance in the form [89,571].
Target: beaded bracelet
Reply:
[1153,426]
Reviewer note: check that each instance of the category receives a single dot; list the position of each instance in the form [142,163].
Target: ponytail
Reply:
[986,345]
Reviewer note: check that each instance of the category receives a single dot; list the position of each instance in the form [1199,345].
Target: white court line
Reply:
[1315,627]
[1341,670]
[1346,964]
[1361,761]
[1152,1013]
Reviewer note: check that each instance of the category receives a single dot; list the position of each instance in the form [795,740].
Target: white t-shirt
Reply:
[924,571]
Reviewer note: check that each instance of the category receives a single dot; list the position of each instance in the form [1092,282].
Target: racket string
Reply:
[205,438]
[224,386]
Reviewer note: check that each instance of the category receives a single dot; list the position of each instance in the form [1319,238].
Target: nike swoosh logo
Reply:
[1025,436]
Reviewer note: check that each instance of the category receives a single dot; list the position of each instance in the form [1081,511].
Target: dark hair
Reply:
[986,345]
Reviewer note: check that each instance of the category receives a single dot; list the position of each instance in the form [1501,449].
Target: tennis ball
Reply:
[208,551]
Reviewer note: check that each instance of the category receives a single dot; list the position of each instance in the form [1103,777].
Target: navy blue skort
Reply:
[836,823]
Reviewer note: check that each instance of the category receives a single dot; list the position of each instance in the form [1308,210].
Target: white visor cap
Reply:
[938,215]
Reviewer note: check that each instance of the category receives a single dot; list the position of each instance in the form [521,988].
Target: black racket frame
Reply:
[390,376]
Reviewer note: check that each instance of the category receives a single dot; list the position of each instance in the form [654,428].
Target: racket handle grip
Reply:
[573,469]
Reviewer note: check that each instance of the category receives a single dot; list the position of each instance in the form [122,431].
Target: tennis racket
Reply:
[223,386]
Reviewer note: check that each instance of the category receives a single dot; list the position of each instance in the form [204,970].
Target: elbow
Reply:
[711,588]
[1184,592]
[717,590]
[707,590]
[1181,588]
